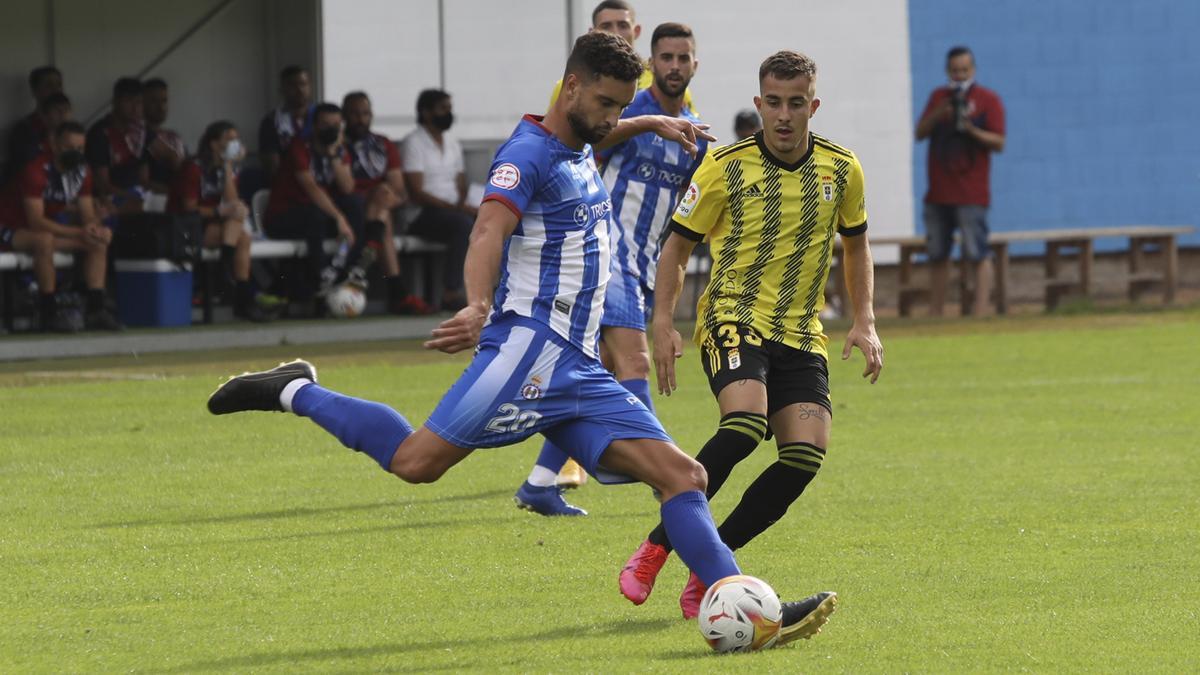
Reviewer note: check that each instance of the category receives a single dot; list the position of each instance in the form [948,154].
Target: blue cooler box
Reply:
[153,293]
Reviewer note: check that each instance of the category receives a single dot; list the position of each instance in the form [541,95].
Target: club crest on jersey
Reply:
[506,176]
[735,359]
[689,200]
[827,187]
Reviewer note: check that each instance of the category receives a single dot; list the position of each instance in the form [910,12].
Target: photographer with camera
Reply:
[965,124]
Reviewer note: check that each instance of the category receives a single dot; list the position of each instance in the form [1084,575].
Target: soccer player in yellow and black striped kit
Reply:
[770,206]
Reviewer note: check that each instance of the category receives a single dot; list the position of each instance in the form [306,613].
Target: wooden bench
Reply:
[1061,245]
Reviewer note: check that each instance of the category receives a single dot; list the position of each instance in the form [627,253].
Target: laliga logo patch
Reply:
[827,187]
[689,200]
[645,171]
[506,176]
[581,214]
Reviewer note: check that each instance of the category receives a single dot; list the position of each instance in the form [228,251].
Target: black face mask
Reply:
[328,135]
[71,159]
[442,122]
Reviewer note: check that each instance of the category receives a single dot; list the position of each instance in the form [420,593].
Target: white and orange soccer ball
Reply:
[346,301]
[740,614]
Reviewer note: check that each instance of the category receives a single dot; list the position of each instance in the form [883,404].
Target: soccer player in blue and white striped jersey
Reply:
[645,175]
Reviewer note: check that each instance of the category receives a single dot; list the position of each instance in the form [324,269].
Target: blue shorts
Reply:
[526,379]
[627,302]
[941,220]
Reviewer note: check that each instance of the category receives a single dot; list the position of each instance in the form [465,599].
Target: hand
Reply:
[344,230]
[95,233]
[668,346]
[460,331]
[335,150]
[233,210]
[868,343]
[681,131]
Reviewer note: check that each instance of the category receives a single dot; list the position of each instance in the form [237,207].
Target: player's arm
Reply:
[934,114]
[495,224]
[672,269]
[859,274]
[669,128]
[35,215]
[343,177]
[308,183]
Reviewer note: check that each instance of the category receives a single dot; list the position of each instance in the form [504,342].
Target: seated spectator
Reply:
[30,140]
[116,147]
[207,184]
[33,129]
[746,123]
[53,194]
[165,149]
[312,198]
[293,119]
[375,164]
[433,167]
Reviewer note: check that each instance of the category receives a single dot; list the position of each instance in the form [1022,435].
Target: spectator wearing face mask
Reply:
[312,198]
[207,184]
[433,168]
[53,194]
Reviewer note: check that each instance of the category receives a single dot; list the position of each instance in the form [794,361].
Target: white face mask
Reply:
[233,150]
[963,86]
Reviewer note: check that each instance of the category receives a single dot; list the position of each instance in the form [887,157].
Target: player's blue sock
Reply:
[640,389]
[365,426]
[551,457]
[690,526]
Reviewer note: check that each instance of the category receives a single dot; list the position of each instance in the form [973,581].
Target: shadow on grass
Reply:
[265,659]
[299,512]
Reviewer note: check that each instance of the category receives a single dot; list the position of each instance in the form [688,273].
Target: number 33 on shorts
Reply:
[724,347]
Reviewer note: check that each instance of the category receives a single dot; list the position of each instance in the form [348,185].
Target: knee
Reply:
[695,477]
[41,243]
[634,365]
[416,470]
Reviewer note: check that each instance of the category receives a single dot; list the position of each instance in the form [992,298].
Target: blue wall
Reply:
[1102,99]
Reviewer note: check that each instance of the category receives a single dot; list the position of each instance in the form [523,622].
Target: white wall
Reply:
[501,60]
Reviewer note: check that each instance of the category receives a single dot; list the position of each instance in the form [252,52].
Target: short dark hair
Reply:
[126,87]
[619,5]
[596,53]
[786,64]
[291,71]
[671,29]
[959,50]
[40,73]
[154,83]
[211,133]
[354,96]
[429,98]
[325,109]
[55,99]
[69,127]
[745,118]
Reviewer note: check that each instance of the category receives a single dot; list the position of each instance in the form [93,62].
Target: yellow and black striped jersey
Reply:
[644,82]
[771,229]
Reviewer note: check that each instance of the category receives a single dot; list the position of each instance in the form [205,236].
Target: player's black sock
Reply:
[770,495]
[227,254]
[94,300]
[736,437]
[397,289]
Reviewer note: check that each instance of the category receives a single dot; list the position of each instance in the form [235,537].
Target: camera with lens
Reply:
[959,100]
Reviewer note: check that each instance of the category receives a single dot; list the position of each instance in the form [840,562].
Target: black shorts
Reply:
[6,238]
[736,352]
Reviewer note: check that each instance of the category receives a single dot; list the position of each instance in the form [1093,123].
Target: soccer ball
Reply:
[346,301]
[740,614]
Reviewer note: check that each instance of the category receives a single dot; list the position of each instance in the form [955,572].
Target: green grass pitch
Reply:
[1013,495]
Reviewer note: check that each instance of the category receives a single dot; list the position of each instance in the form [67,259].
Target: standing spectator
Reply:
[116,146]
[53,194]
[433,167]
[965,124]
[313,198]
[44,81]
[165,149]
[375,164]
[293,119]
[30,139]
[746,123]
[207,184]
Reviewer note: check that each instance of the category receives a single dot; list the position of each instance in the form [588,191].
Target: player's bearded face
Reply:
[673,65]
[597,107]
[786,107]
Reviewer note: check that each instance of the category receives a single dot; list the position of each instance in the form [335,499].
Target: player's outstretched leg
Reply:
[737,436]
[541,492]
[368,427]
